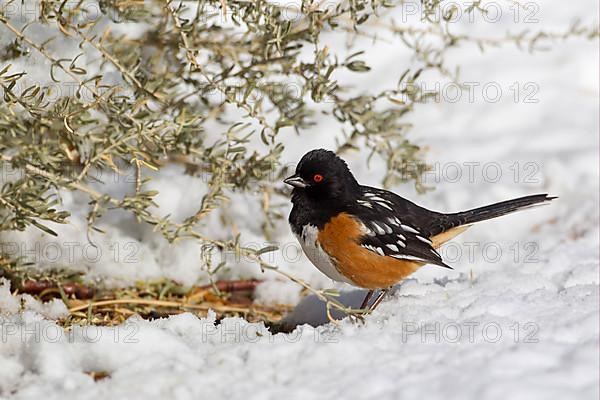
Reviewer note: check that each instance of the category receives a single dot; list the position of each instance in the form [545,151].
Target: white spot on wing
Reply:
[387,228]
[374,249]
[422,239]
[368,247]
[393,221]
[365,203]
[409,228]
[407,257]
[384,205]
[393,247]
[378,229]
[366,231]
[379,199]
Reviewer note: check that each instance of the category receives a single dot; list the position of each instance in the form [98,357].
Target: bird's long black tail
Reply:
[449,221]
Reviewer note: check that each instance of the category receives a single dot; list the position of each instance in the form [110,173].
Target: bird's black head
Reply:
[322,175]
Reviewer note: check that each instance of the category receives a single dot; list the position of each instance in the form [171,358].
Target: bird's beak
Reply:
[295,181]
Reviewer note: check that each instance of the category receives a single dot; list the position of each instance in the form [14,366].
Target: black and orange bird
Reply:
[372,238]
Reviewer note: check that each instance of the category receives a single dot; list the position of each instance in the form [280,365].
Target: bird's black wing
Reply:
[393,227]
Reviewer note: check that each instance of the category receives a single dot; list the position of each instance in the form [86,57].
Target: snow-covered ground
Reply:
[517,318]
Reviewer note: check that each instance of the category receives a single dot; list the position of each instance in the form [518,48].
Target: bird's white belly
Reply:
[318,256]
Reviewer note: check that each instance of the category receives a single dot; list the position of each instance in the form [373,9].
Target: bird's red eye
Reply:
[317,178]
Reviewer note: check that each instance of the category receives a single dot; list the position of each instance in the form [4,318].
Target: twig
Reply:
[165,303]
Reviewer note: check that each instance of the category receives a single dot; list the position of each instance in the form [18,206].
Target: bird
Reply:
[368,237]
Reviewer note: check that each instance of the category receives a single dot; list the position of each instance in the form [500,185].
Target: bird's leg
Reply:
[365,302]
[378,300]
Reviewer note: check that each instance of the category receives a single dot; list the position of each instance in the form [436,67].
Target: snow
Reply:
[517,318]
